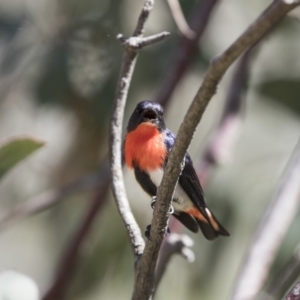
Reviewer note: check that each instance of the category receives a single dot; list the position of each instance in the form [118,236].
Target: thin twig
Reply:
[144,283]
[286,276]
[294,294]
[179,19]
[67,264]
[219,147]
[186,52]
[51,197]
[131,46]
[270,232]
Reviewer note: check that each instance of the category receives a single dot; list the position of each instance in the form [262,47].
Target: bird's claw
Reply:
[171,209]
[153,202]
[167,231]
[147,232]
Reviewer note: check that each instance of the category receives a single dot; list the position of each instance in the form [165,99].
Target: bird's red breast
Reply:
[145,147]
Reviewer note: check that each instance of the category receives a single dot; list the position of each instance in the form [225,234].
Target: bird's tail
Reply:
[209,225]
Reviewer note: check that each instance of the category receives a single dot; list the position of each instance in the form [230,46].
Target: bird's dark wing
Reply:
[144,180]
[190,183]
[188,179]
[187,220]
[169,139]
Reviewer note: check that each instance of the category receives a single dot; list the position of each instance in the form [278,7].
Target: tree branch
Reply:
[51,197]
[136,43]
[144,283]
[270,232]
[67,265]
[294,294]
[186,52]
[131,46]
[180,19]
[219,148]
[286,276]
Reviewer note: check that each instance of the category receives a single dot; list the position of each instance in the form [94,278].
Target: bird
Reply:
[146,147]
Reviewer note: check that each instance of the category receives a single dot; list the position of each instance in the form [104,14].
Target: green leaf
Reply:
[16,150]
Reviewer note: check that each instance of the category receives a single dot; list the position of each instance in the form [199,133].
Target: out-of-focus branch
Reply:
[186,52]
[131,46]
[175,244]
[144,283]
[67,264]
[219,148]
[286,276]
[53,196]
[294,294]
[180,19]
[270,232]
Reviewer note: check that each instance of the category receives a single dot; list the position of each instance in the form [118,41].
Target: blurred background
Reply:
[59,64]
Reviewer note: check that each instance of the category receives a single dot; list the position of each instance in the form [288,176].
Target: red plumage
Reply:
[145,147]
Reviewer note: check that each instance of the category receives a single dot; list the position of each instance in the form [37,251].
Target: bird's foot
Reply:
[153,202]
[171,209]
[147,232]
[167,231]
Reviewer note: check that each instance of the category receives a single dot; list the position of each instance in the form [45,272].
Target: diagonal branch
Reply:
[286,276]
[219,147]
[270,232]
[67,264]
[52,196]
[146,266]
[294,294]
[186,52]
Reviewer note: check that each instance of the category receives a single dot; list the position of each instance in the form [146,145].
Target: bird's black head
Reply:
[147,112]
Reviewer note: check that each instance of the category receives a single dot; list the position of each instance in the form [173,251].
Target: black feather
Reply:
[187,220]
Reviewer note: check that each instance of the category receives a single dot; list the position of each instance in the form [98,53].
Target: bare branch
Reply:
[286,276]
[149,40]
[175,244]
[140,27]
[219,148]
[51,197]
[186,52]
[270,232]
[180,20]
[66,267]
[131,51]
[146,266]
[294,294]
[136,43]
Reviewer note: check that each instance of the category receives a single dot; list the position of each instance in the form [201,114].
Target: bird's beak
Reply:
[149,115]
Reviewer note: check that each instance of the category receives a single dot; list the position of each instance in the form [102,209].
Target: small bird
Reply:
[146,148]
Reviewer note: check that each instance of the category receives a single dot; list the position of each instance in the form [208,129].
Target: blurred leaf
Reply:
[283,91]
[16,150]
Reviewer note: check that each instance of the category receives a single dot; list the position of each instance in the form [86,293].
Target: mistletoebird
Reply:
[147,145]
